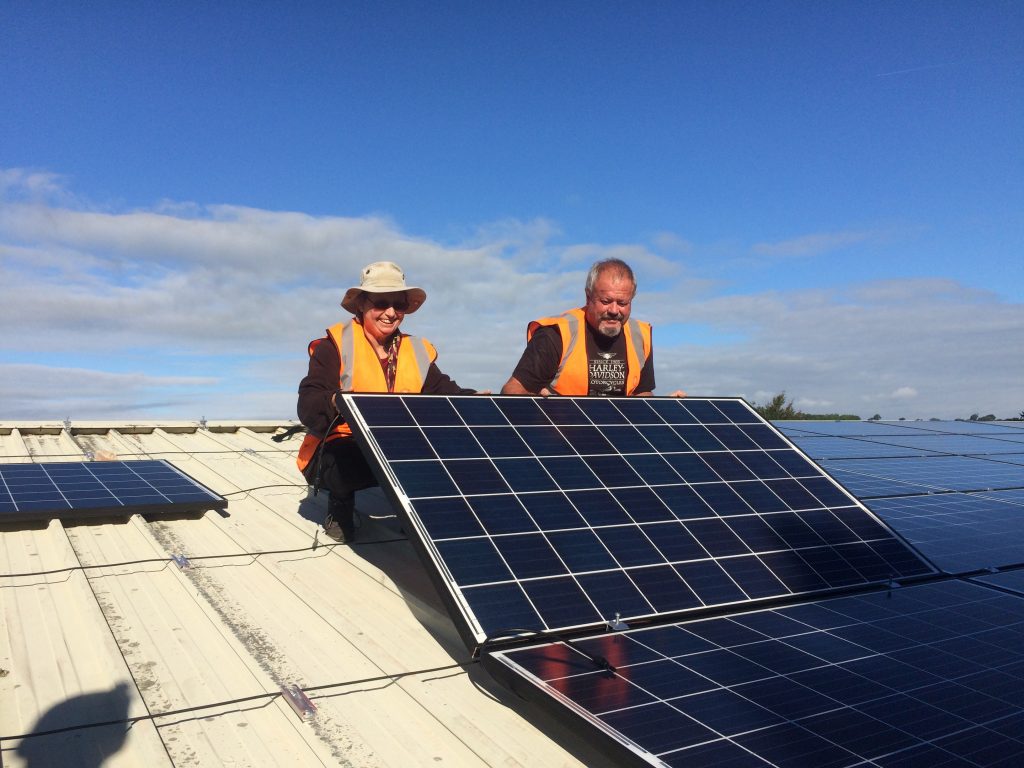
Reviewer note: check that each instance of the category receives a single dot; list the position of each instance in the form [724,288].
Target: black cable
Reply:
[268,696]
[167,560]
[319,455]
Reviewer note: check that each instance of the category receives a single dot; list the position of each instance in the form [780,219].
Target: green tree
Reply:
[777,408]
[876,417]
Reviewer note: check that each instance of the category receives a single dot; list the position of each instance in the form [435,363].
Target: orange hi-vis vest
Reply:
[361,372]
[573,374]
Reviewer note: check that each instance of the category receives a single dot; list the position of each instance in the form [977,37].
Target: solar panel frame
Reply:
[35,492]
[502,573]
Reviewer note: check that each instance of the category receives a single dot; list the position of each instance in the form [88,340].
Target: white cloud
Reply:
[933,353]
[28,184]
[811,245]
[214,305]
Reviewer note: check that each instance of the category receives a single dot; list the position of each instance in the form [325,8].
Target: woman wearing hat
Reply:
[366,354]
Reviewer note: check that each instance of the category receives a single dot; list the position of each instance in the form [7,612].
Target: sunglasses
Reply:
[380,304]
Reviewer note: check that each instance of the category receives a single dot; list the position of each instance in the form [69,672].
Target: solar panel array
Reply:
[925,675]
[701,593]
[953,489]
[74,490]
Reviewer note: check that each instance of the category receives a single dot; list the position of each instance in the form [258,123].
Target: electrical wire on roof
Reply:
[268,696]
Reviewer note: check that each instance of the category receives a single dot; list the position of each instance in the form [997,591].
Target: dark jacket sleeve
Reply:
[646,383]
[540,359]
[315,390]
[439,383]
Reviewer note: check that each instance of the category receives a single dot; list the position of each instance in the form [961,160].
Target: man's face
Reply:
[607,307]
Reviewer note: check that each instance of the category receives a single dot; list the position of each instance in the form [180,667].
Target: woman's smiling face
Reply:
[383,313]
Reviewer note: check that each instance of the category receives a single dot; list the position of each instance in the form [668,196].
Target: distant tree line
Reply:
[778,408]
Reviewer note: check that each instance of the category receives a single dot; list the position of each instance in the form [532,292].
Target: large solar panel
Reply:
[822,447]
[926,675]
[848,428]
[559,514]
[1012,581]
[960,532]
[869,478]
[72,490]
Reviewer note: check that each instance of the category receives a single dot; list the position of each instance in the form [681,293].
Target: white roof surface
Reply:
[112,654]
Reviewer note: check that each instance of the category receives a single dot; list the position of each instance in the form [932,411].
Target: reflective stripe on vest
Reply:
[573,374]
[360,371]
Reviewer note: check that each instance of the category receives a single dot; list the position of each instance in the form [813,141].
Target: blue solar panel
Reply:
[958,444]
[72,490]
[848,428]
[563,513]
[1009,580]
[824,447]
[959,532]
[917,676]
[869,478]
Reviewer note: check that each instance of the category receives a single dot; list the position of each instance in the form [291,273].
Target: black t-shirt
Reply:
[606,361]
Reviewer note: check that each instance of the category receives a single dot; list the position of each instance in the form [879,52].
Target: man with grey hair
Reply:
[593,350]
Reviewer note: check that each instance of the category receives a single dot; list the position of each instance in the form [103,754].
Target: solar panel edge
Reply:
[621,750]
[469,630]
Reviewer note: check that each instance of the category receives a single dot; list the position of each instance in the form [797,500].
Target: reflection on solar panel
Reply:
[564,513]
[919,676]
[72,490]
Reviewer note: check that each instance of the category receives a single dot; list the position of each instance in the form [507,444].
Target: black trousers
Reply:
[342,469]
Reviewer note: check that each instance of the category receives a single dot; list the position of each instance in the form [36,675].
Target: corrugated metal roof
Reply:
[109,650]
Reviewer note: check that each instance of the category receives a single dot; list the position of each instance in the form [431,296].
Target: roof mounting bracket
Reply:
[299,701]
[617,624]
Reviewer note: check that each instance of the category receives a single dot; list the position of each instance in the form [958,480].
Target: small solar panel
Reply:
[72,490]
[554,514]
[916,676]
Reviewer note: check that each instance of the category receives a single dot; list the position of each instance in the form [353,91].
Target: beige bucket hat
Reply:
[383,277]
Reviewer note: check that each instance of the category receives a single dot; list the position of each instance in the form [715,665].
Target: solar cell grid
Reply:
[960,532]
[820,447]
[1011,580]
[931,673]
[958,444]
[549,514]
[869,478]
[848,428]
[89,489]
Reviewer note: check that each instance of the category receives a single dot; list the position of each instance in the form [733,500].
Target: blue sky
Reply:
[821,198]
